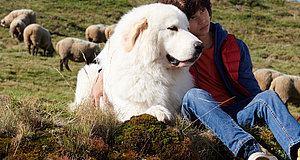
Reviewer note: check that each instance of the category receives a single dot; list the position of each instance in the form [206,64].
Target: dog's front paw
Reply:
[160,112]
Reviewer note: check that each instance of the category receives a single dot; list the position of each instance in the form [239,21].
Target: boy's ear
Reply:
[134,32]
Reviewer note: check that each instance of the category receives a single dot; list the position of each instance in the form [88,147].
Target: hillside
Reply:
[271,31]
[38,92]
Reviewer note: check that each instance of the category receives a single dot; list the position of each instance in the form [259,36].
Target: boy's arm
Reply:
[246,76]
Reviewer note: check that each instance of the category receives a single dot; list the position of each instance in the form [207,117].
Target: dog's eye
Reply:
[173,28]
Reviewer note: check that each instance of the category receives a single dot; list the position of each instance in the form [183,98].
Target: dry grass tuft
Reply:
[88,130]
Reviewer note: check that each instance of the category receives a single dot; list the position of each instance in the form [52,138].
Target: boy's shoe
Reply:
[265,151]
[261,156]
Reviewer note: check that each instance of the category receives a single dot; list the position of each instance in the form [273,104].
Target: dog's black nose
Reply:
[198,46]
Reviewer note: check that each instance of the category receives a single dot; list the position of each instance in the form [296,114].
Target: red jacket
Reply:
[234,64]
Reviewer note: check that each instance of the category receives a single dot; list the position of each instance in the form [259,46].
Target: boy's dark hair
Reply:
[189,7]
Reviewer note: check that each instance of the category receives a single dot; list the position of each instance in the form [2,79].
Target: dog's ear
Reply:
[133,33]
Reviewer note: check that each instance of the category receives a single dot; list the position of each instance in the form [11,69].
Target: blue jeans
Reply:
[227,122]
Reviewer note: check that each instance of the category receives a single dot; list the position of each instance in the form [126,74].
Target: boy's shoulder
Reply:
[230,45]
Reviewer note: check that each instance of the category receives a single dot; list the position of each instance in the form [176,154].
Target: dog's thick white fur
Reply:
[86,77]
[146,63]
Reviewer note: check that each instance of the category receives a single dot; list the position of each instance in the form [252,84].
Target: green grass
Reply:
[271,31]
[22,74]
[37,76]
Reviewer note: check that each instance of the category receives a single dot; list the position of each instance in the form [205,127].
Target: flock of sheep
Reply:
[22,25]
[287,86]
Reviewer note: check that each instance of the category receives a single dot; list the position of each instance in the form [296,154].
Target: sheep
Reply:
[99,33]
[95,33]
[76,50]
[16,29]
[39,37]
[109,30]
[265,76]
[6,21]
[18,25]
[287,87]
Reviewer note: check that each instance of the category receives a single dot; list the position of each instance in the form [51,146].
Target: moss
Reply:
[145,137]
[39,146]
[4,146]
[98,149]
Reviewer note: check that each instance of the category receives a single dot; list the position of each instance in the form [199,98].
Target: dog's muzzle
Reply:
[198,50]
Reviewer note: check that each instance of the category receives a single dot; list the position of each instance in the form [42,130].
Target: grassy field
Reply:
[39,92]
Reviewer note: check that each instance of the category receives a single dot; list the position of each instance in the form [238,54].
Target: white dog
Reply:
[146,63]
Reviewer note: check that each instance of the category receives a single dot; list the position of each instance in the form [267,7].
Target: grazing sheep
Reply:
[95,33]
[6,21]
[76,50]
[265,76]
[99,33]
[16,29]
[18,25]
[39,37]
[287,87]
[109,30]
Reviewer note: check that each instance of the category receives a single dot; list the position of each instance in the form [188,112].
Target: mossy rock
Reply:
[98,149]
[40,146]
[145,137]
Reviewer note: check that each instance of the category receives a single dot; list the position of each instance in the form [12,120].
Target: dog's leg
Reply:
[160,112]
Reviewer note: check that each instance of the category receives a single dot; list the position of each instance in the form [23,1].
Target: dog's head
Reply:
[158,32]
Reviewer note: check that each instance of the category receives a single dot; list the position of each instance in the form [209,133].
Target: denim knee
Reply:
[270,97]
[270,93]
[195,101]
[187,99]
[193,95]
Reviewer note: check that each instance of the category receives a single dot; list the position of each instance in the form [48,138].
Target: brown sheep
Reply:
[99,33]
[6,21]
[95,33]
[109,30]
[39,37]
[287,87]
[18,25]
[76,50]
[265,76]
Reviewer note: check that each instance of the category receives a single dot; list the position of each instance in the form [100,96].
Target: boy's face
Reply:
[200,23]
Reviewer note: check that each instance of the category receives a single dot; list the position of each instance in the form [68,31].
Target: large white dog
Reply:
[146,63]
